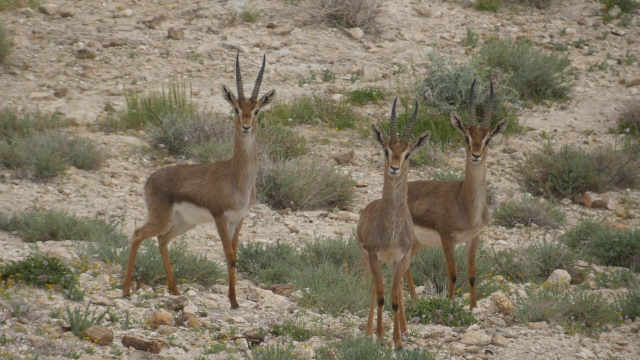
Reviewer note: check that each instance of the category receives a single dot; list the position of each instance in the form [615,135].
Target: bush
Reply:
[528,211]
[17,4]
[312,110]
[534,74]
[293,329]
[439,311]
[151,109]
[39,270]
[365,95]
[276,352]
[535,262]
[13,125]
[627,6]
[360,348]
[281,143]
[576,311]
[36,224]
[570,171]
[578,237]
[628,303]
[487,5]
[350,13]
[5,45]
[267,264]
[629,118]
[176,132]
[304,185]
[80,322]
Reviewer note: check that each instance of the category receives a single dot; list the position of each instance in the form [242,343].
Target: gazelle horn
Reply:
[407,130]
[239,78]
[486,120]
[394,122]
[472,103]
[256,87]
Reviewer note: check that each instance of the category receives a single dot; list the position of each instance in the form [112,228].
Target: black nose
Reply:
[246,128]
[394,169]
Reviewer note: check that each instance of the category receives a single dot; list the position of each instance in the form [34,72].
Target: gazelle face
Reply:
[397,152]
[477,138]
[247,110]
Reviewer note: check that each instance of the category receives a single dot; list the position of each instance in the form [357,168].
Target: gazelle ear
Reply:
[422,140]
[500,127]
[458,123]
[267,98]
[229,96]
[378,135]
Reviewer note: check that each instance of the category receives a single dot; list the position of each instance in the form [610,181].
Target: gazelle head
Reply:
[397,151]
[477,135]
[247,109]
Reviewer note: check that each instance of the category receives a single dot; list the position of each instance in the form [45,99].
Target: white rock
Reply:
[559,277]
[476,338]
[356,32]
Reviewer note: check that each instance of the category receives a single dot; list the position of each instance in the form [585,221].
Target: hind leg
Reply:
[179,227]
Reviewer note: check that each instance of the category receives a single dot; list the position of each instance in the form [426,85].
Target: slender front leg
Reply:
[139,235]
[378,288]
[472,248]
[372,308]
[448,246]
[396,301]
[163,245]
[223,230]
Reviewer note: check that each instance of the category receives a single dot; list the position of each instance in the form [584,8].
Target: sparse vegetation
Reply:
[577,311]
[533,73]
[471,39]
[293,329]
[350,13]
[487,5]
[17,4]
[37,224]
[39,270]
[365,95]
[5,45]
[250,15]
[629,118]
[528,211]
[439,310]
[81,321]
[360,348]
[276,352]
[302,184]
[629,303]
[312,110]
[563,173]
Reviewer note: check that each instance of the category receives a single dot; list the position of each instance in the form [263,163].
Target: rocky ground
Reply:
[76,57]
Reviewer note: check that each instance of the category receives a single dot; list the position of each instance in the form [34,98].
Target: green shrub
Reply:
[282,143]
[578,237]
[365,95]
[36,224]
[570,171]
[533,73]
[363,348]
[487,5]
[151,109]
[304,185]
[528,211]
[14,125]
[293,329]
[212,151]
[439,125]
[312,110]
[17,4]
[350,13]
[627,6]
[628,303]
[267,264]
[176,132]
[629,118]
[80,322]
[276,352]
[5,45]
[249,15]
[39,270]
[439,310]
[535,262]
[577,311]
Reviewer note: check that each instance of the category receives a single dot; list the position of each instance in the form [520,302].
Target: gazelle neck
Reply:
[244,161]
[394,199]
[474,187]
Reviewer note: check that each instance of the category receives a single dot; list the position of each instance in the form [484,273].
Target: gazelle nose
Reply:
[394,170]
[246,128]
[475,158]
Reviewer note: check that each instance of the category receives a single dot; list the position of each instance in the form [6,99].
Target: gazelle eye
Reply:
[487,142]
[386,152]
[255,113]
[468,139]
[236,110]
[406,156]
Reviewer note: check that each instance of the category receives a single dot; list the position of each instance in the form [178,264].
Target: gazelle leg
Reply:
[223,230]
[163,245]
[372,308]
[396,301]
[403,317]
[139,235]
[410,284]
[472,248]
[378,289]
[448,247]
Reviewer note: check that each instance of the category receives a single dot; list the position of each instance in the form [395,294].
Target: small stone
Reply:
[509,150]
[48,9]
[85,54]
[345,158]
[66,14]
[476,338]
[502,303]
[594,201]
[579,199]
[356,33]
[615,11]
[236,320]
[188,320]
[99,334]
[500,340]
[176,303]
[283,31]
[127,13]
[282,289]
[634,82]
[166,330]
[583,22]
[60,92]
[159,317]
[585,353]
[37,341]
[153,346]
[565,201]
[154,22]
[618,32]
[570,31]
[538,325]
[101,300]
[559,277]
[423,10]
[174,33]
[494,321]
[597,269]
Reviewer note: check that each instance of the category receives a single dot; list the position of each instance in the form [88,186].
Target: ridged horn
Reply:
[472,103]
[239,78]
[393,130]
[407,131]
[486,120]
[256,87]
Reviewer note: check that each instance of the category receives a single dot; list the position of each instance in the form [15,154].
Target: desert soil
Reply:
[130,52]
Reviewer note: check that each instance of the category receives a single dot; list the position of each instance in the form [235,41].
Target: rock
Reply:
[559,277]
[597,269]
[188,320]
[509,150]
[634,82]
[594,201]
[154,22]
[236,320]
[60,92]
[99,334]
[127,13]
[615,11]
[538,325]
[618,32]
[458,349]
[345,158]
[38,341]
[85,53]
[176,303]
[159,317]
[356,32]
[66,14]
[101,300]
[502,303]
[48,9]
[476,338]
[166,330]
[174,33]
[565,201]
[494,321]
[500,340]
[282,289]
[569,31]
[583,22]
[284,31]
[585,353]
[153,346]
[423,10]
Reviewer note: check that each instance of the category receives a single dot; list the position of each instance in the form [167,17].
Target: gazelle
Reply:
[447,213]
[385,229]
[181,197]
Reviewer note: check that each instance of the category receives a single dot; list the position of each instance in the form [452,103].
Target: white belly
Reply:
[428,237]
[236,215]
[390,256]
[192,214]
